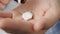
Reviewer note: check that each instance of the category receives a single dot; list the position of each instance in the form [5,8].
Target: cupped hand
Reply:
[3,3]
[45,14]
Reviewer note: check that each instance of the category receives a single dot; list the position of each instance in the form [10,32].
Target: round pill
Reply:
[27,15]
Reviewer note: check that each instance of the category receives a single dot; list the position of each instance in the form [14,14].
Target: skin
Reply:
[3,3]
[45,14]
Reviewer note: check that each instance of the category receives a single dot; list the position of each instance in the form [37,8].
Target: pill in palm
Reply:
[27,15]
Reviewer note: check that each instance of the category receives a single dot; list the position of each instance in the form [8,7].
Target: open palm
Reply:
[45,14]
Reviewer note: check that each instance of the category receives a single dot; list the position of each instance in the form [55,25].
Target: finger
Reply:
[5,14]
[2,6]
[39,25]
[5,1]
[3,22]
[7,24]
[11,25]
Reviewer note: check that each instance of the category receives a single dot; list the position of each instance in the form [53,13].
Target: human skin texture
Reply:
[45,14]
[3,3]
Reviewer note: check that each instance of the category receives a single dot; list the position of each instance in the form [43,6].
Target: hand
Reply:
[3,3]
[44,17]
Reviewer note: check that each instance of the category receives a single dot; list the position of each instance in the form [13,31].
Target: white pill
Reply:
[27,15]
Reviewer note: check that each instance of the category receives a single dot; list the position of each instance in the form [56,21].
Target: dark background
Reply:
[22,1]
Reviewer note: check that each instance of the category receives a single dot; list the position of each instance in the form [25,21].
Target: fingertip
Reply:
[38,26]
[4,22]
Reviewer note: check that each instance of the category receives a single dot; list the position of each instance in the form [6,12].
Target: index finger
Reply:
[5,14]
